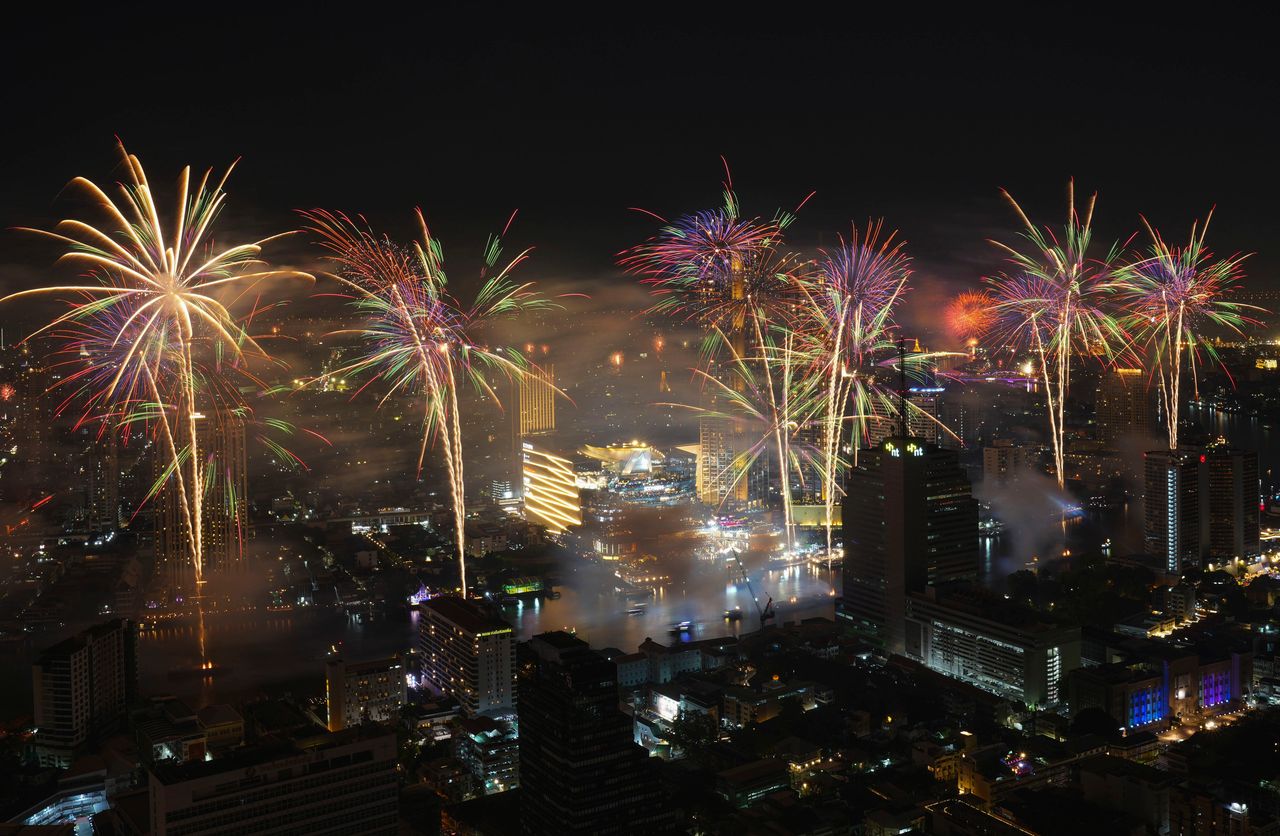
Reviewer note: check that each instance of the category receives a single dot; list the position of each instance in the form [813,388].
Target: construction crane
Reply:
[766,613]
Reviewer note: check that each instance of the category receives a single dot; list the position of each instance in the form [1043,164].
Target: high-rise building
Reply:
[103,486]
[364,692]
[469,655]
[83,687]
[343,783]
[1176,508]
[1004,462]
[717,453]
[220,440]
[909,520]
[537,412]
[982,639]
[551,496]
[1125,407]
[581,771]
[1234,498]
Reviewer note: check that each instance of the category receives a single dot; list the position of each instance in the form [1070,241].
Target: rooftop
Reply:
[465,615]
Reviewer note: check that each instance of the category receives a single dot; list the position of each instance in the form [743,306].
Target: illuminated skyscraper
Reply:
[220,440]
[910,521]
[551,495]
[537,413]
[469,655]
[717,451]
[1125,407]
[1176,508]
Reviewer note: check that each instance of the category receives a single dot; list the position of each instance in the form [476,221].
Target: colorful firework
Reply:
[418,340]
[759,398]
[157,328]
[1049,304]
[971,315]
[719,270]
[845,323]
[1167,297]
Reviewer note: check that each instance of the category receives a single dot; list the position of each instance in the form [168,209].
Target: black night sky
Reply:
[574,119]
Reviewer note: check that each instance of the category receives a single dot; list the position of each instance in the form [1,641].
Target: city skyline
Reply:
[450,421]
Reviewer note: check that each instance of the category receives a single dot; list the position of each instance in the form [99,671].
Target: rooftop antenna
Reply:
[902,387]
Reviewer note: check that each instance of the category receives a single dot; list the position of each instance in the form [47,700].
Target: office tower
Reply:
[1125,406]
[910,520]
[220,441]
[551,496]
[344,783]
[1176,512]
[469,655]
[580,769]
[1003,462]
[83,687]
[1234,498]
[103,500]
[364,692]
[716,453]
[537,409]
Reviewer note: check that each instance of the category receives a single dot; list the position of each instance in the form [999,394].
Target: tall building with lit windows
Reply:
[469,655]
[1176,508]
[220,443]
[550,485]
[716,473]
[537,393]
[1125,406]
[910,521]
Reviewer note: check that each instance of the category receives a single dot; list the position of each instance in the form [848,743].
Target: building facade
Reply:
[469,655]
[1125,407]
[83,687]
[335,784]
[364,692]
[990,644]
[580,769]
[551,496]
[220,440]
[910,520]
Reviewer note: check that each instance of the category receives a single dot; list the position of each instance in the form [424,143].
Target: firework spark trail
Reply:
[417,339]
[765,403]
[845,321]
[159,291]
[1167,296]
[1050,303]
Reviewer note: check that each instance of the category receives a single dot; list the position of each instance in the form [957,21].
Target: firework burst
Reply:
[971,315]
[1048,303]
[157,325]
[845,322]
[417,339]
[1167,297]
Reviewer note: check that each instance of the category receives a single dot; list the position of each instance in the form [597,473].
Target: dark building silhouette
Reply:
[910,521]
[580,769]
[1234,498]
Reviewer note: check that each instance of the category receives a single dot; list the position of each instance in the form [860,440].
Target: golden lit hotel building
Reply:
[550,490]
